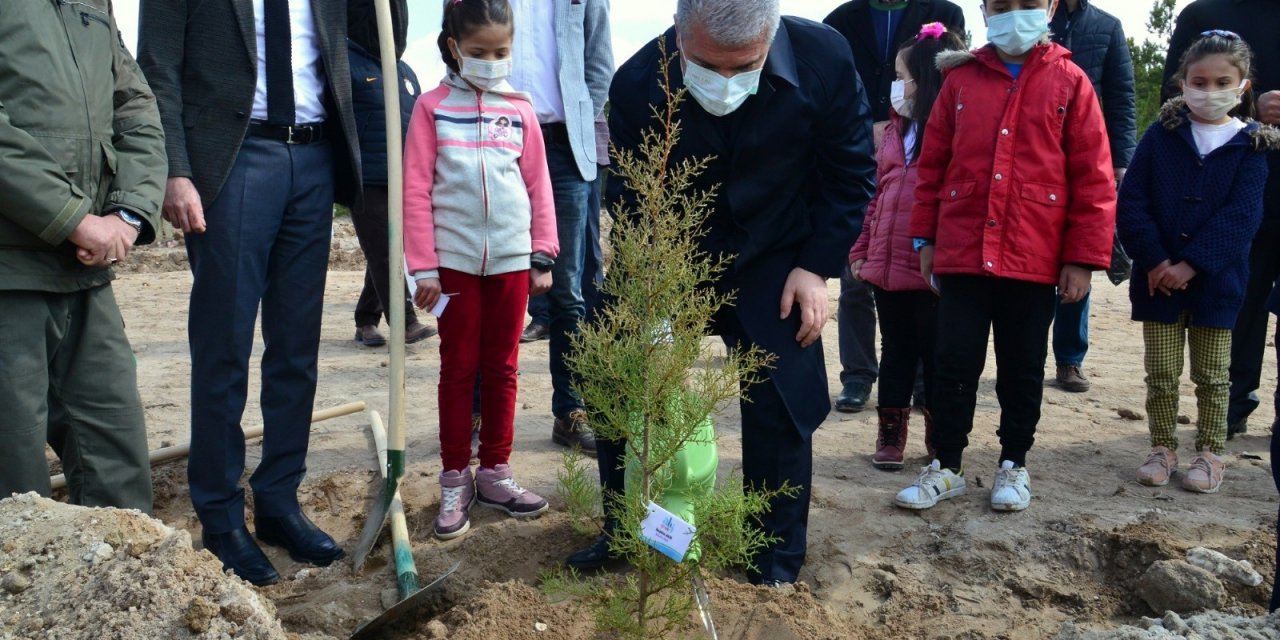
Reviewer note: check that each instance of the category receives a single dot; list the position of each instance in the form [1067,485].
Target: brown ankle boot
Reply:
[891,441]
[928,435]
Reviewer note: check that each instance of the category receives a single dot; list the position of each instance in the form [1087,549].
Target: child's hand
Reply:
[1074,283]
[428,293]
[539,282]
[855,269]
[1154,277]
[926,267]
[1176,278]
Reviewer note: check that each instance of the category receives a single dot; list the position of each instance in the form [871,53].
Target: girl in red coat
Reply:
[1015,196]
[883,256]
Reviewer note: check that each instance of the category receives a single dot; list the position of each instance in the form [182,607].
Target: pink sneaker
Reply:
[497,490]
[457,494]
[1158,468]
[1204,475]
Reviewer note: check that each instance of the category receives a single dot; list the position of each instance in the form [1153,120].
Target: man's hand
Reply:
[1074,283]
[1154,278]
[1269,107]
[926,267]
[1176,278]
[539,282]
[102,240]
[428,293]
[855,269]
[182,206]
[809,290]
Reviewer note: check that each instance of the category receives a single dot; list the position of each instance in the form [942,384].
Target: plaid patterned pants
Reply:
[1210,358]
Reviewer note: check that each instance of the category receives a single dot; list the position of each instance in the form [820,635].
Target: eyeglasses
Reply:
[1220,33]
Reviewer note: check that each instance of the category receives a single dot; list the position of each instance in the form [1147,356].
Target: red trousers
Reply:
[480,333]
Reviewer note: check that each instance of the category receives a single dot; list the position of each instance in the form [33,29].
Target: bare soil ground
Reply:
[873,571]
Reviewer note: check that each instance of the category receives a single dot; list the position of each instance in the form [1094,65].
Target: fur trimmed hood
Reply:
[948,60]
[1174,112]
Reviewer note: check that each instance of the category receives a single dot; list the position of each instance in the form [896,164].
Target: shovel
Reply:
[411,597]
[394,464]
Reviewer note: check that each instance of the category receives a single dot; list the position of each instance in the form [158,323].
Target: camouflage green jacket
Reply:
[79,135]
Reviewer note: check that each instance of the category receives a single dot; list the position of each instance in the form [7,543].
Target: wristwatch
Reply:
[543,266]
[129,219]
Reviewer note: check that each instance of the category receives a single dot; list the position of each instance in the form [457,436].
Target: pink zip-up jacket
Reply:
[891,262]
[477,192]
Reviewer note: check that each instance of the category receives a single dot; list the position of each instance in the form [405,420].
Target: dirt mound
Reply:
[73,572]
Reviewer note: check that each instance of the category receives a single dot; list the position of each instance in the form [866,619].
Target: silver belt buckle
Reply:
[289,139]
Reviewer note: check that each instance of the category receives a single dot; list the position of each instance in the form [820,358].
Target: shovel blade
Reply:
[373,526]
[373,628]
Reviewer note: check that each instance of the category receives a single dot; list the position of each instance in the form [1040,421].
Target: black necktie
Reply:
[279,44]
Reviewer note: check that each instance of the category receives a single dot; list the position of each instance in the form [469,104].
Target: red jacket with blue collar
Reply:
[1015,179]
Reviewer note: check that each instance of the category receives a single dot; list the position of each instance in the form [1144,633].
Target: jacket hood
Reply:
[1174,114]
[948,60]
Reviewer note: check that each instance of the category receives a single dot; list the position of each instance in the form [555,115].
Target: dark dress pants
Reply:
[370,220]
[267,246]
[1249,337]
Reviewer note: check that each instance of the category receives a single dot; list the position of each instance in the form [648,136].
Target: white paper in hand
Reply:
[443,302]
[666,532]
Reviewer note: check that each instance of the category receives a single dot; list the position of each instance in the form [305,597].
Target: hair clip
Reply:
[1220,33]
[934,30]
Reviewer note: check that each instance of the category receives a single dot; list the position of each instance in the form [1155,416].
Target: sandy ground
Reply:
[956,571]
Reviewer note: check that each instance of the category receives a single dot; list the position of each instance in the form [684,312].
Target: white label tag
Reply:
[666,532]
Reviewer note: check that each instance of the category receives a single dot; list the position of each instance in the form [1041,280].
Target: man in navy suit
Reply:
[778,104]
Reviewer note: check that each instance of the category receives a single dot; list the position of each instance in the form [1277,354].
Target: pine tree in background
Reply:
[1148,61]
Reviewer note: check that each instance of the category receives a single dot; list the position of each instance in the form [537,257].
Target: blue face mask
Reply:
[1016,32]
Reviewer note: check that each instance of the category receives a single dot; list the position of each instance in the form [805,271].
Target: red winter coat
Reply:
[1015,179]
[885,243]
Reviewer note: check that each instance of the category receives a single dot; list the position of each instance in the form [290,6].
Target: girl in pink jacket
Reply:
[479,230]
[884,256]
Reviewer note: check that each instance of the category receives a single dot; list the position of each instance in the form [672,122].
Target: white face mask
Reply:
[1016,32]
[1212,105]
[485,74]
[898,98]
[719,95]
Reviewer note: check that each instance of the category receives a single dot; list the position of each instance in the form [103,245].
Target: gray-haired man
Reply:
[777,103]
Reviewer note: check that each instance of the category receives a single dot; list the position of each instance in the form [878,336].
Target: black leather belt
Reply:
[555,132]
[295,134]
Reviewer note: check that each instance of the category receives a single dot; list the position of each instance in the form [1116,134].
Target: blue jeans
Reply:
[856,321]
[1071,333]
[592,261]
[565,306]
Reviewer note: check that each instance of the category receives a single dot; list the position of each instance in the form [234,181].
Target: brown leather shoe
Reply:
[417,332]
[369,336]
[1071,379]
[571,430]
[534,332]
[891,441]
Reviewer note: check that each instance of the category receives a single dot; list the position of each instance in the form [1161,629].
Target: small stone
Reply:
[15,583]
[437,630]
[199,613]
[302,575]
[1184,419]
[1224,567]
[527,405]
[539,626]
[99,552]
[389,598]
[1129,414]
[1173,622]
[1175,585]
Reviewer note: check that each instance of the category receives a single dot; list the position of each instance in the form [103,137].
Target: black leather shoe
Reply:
[239,553]
[1238,427]
[304,541]
[592,557]
[853,398]
[534,332]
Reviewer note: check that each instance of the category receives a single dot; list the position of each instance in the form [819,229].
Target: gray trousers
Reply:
[69,378]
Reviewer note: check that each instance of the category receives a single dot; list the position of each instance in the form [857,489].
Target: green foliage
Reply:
[1148,61]
[649,378]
